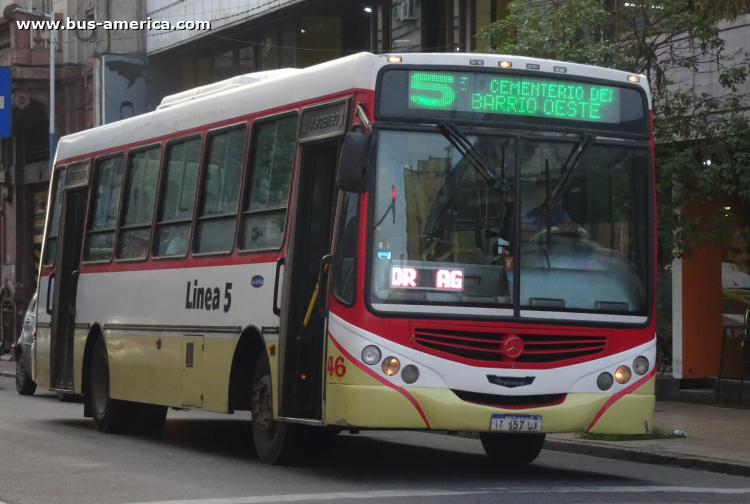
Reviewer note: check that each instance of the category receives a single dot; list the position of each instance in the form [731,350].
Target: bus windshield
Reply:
[447,229]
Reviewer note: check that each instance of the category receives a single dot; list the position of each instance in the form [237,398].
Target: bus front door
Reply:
[65,286]
[302,327]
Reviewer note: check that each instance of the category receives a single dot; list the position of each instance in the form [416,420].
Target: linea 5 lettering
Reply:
[207,298]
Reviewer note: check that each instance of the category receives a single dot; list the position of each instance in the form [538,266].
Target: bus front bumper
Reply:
[382,407]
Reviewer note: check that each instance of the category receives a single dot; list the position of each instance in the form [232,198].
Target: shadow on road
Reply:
[359,458]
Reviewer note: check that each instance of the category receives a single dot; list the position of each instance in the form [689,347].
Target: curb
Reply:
[8,374]
[655,457]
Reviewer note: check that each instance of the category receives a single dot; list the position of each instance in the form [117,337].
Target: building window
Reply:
[100,237]
[224,66]
[406,26]
[135,229]
[195,72]
[172,235]
[264,215]
[246,60]
[217,213]
[320,40]
[270,49]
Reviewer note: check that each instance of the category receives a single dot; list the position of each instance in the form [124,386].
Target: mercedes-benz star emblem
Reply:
[513,347]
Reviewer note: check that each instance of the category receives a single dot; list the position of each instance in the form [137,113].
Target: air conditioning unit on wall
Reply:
[406,11]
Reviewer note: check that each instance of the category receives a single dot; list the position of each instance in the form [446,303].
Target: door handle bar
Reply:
[49,290]
[279,264]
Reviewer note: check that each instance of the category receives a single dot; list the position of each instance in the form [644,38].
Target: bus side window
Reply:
[50,248]
[264,215]
[100,236]
[217,213]
[345,258]
[135,228]
[172,235]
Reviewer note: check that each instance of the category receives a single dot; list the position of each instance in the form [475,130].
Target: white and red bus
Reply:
[459,242]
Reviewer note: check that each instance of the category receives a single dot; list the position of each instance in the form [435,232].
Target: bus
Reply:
[448,242]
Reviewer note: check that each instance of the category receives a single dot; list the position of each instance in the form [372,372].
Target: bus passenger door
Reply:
[65,285]
[303,328]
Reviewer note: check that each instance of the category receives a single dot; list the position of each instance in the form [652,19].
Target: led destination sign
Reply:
[513,95]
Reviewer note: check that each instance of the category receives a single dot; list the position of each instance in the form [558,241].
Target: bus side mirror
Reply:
[353,162]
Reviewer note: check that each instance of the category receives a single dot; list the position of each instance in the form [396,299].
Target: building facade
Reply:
[81,62]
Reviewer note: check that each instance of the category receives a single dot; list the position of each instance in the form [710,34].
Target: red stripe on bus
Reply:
[382,380]
[616,397]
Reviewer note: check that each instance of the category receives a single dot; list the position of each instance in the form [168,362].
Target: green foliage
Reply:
[677,44]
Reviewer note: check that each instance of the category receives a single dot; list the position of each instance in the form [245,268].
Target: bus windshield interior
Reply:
[458,216]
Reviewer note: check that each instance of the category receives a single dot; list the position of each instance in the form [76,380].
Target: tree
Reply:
[702,134]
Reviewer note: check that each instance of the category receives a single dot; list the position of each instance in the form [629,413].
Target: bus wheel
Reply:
[148,419]
[511,449]
[24,383]
[273,440]
[110,415]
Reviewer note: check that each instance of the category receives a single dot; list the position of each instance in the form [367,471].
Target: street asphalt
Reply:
[50,454]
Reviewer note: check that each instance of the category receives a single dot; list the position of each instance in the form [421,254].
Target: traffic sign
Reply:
[5,103]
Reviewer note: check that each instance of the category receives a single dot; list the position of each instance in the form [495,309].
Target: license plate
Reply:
[519,423]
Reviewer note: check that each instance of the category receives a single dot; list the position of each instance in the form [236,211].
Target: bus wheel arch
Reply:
[249,346]
[95,333]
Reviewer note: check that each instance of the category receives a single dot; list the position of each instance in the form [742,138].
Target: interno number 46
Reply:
[336,367]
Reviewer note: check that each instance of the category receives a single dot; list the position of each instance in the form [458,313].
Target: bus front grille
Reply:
[486,347]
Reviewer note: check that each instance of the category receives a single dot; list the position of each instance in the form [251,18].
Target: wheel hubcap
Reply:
[262,407]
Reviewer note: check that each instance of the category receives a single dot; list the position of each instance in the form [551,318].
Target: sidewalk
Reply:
[718,440]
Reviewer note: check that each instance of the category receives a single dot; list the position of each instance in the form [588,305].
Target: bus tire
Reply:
[274,441]
[511,449]
[24,384]
[111,416]
[148,419]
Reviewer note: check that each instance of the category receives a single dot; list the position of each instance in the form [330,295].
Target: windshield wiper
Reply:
[472,155]
[578,151]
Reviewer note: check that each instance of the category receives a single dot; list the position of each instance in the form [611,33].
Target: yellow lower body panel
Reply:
[380,406]
[359,397]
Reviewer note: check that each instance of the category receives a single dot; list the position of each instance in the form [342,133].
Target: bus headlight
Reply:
[371,355]
[622,375]
[410,374]
[605,381]
[640,365]
[391,365]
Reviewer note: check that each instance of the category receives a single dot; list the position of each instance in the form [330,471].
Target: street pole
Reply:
[52,45]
